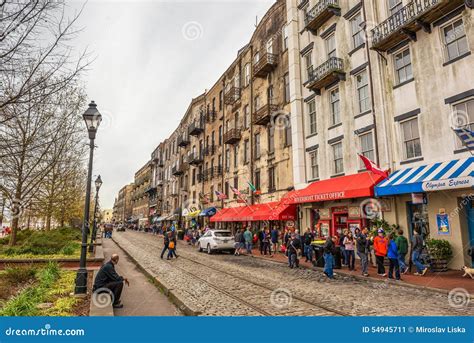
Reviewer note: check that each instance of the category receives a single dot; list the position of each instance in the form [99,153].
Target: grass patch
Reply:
[55,243]
[12,279]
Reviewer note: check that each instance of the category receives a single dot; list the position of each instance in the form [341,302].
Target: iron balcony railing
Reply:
[211,116]
[196,127]
[320,13]
[195,158]
[232,136]
[326,73]
[232,95]
[265,64]
[209,150]
[263,115]
[183,140]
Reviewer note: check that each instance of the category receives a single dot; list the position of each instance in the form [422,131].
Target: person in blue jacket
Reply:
[392,254]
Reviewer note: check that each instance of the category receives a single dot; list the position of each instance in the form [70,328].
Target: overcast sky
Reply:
[152,57]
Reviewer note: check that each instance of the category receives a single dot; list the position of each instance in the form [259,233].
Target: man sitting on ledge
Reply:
[108,278]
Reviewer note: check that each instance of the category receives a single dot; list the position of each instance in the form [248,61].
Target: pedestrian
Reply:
[294,244]
[329,250]
[349,242]
[166,242]
[172,246]
[340,243]
[248,236]
[363,245]
[108,279]
[402,245]
[380,248]
[266,242]
[308,248]
[392,254]
[261,235]
[417,248]
[274,236]
[237,243]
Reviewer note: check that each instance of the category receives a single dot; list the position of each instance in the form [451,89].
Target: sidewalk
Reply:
[142,298]
[445,281]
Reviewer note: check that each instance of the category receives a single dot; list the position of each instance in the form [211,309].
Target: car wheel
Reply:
[200,248]
[209,250]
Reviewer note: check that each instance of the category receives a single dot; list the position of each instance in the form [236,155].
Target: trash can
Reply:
[337,258]
[318,256]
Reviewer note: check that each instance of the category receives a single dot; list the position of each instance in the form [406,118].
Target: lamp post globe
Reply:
[92,119]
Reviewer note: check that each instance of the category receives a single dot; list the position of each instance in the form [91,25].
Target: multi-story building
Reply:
[122,211]
[140,203]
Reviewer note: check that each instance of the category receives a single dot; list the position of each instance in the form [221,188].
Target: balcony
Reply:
[202,177]
[183,141]
[195,158]
[211,116]
[232,96]
[179,169]
[265,65]
[402,25]
[209,150]
[232,136]
[330,71]
[213,172]
[321,13]
[263,115]
[196,127]
[160,162]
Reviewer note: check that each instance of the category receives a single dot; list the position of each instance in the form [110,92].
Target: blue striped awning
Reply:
[432,177]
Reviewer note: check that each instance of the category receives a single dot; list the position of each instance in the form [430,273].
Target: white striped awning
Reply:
[432,177]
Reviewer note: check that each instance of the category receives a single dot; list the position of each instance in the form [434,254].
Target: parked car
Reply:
[217,240]
[121,227]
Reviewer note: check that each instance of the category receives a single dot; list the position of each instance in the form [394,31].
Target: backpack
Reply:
[171,245]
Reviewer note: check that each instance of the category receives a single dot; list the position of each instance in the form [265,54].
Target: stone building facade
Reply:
[122,210]
[140,203]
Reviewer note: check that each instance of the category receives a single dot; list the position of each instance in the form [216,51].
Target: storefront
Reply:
[269,214]
[437,201]
[333,205]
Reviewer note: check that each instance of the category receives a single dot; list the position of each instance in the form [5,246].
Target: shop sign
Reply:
[321,197]
[442,221]
[354,211]
[342,209]
[460,182]
[419,198]
[290,223]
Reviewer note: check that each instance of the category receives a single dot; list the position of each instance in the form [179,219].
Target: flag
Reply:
[466,136]
[239,194]
[221,196]
[369,165]
[204,198]
[252,187]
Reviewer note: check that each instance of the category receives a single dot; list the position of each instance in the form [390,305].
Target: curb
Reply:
[167,291]
[372,279]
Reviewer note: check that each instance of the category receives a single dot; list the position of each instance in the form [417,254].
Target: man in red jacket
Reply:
[380,248]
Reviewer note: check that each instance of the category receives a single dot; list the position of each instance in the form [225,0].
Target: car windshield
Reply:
[222,234]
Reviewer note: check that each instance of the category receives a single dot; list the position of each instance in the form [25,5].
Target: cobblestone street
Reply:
[226,285]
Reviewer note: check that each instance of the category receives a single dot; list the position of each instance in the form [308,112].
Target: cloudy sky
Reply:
[151,58]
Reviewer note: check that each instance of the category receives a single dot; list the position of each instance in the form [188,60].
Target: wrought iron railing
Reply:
[331,65]
[317,9]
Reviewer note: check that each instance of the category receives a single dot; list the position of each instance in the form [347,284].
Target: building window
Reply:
[194,176]
[211,196]
[227,159]
[313,157]
[363,91]
[257,180]
[236,156]
[246,117]
[366,147]
[220,135]
[271,179]
[335,106]
[331,46]
[256,103]
[338,158]
[455,40]
[287,87]
[236,185]
[271,138]
[288,141]
[256,58]
[284,35]
[308,60]
[312,117]
[403,70]
[464,113]
[221,99]
[357,31]
[257,145]
[246,151]
[411,139]
[394,6]
[226,188]
[270,46]
[247,74]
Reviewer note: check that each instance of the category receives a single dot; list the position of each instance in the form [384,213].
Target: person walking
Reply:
[308,248]
[417,248]
[329,250]
[380,248]
[392,254]
[294,244]
[363,244]
[402,245]
[261,235]
[340,243]
[237,244]
[266,242]
[248,236]
[166,242]
[172,245]
[274,236]
[349,243]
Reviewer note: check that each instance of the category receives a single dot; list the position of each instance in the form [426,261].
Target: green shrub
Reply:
[70,249]
[17,275]
[439,249]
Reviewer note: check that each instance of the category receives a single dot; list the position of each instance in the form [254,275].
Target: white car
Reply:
[217,240]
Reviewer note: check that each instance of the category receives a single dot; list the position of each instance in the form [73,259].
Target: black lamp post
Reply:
[98,183]
[92,118]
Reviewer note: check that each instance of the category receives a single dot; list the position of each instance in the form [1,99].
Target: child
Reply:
[392,255]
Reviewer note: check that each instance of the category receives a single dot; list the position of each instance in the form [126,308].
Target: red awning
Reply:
[343,187]
[258,212]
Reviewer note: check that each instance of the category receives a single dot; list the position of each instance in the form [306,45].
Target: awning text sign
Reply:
[321,197]
[462,182]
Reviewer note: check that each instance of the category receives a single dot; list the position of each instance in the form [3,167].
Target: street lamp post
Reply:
[92,118]
[98,183]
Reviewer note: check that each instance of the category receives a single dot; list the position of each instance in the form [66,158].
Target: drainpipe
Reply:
[252,198]
[223,133]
